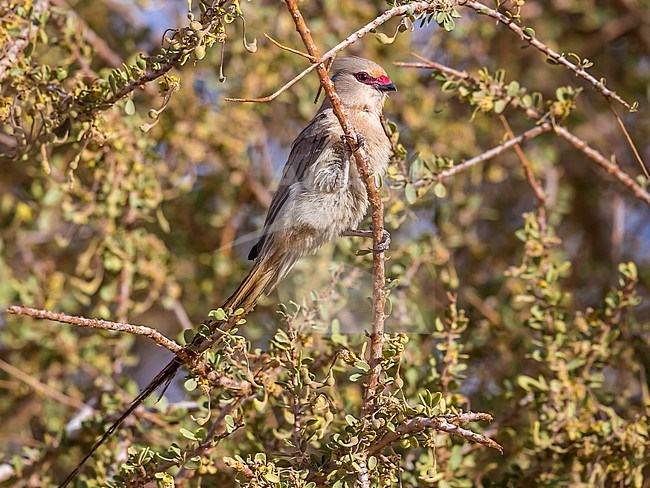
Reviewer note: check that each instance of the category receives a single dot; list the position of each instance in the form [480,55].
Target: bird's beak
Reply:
[387,87]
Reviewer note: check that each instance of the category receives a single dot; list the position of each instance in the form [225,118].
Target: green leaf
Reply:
[129,107]
[230,423]
[218,314]
[439,190]
[575,363]
[193,463]
[186,433]
[362,365]
[188,336]
[410,194]
[272,478]
[384,39]
[191,384]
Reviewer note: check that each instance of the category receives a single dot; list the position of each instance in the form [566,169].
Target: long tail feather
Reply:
[261,279]
[164,377]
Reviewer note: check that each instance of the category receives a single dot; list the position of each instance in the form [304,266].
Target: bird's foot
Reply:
[355,143]
[382,246]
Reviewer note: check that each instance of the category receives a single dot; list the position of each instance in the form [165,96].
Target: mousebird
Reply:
[321,195]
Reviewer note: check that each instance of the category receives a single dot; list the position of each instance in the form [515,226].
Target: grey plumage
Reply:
[320,196]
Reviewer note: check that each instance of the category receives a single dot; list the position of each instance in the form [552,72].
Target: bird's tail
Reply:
[261,280]
[164,377]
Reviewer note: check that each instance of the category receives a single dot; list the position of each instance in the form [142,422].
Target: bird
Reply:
[320,196]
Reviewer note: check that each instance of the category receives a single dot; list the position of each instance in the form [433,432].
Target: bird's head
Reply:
[361,81]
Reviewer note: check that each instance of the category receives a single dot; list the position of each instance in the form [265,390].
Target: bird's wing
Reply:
[305,152]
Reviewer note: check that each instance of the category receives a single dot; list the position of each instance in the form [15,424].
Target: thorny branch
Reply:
[142,330]
[485,156]
[377,212]
[528,37]
[414,7]
[443,423]
[448,424]
[543,122]
[424,7]
[532,181]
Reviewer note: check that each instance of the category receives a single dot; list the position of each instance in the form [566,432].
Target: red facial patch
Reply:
[383,80]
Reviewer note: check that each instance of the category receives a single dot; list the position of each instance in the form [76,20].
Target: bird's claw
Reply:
[355,143]
[382,246]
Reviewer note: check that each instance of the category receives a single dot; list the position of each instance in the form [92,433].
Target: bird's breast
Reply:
[376,143]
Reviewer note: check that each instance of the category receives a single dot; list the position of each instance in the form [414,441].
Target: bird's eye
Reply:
[363,77]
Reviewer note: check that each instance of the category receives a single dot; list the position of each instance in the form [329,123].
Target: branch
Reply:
[537,189]
[216,433]
[443,423]
[630,141]
[612,168]
[448,424]
[377,206]
[291,50]
[142,330]
[415,7]
[593,154]
[489,154]
[540,46]
[530,176]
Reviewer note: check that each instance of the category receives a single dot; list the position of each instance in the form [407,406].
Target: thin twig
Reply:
[612,168]
[530,176]
[414,7]
[450,425]
[537,189]
[443,423]
[142,330]
[629,140]
[485,156]
[216,433]
[276,93]
[376,205]
[291,50]
[432,64]
[599,85]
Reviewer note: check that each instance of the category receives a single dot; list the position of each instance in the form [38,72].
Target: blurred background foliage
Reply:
[141,206]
